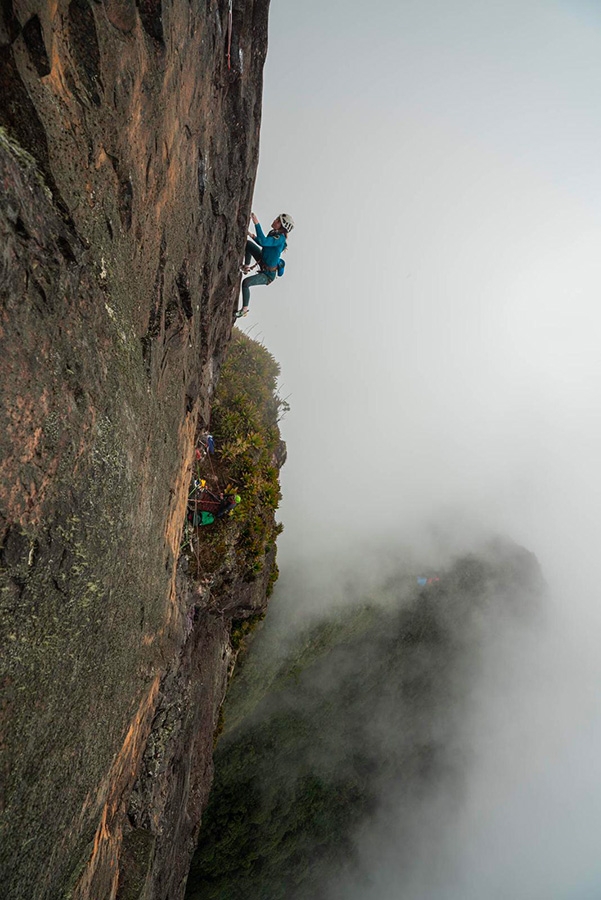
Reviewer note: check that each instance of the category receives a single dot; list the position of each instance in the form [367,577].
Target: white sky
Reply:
[439,322]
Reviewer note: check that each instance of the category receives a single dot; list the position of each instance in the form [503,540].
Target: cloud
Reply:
[438,334]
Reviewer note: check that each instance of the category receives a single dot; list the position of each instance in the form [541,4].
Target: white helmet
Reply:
[287,222]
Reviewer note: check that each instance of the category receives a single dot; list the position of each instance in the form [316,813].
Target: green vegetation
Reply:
[367,702]
[245,424]
[241,628]
[245,417]
[265,671]
[293,785]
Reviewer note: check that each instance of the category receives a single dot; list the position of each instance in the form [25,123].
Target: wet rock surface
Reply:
[128,153]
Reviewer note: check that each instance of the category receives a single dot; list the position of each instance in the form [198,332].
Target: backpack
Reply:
[198,519]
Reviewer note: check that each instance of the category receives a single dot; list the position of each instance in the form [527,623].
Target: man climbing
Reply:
[207,506]
[228,503]
[267,251]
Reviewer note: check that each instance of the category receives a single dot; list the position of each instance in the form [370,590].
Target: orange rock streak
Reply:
[100,878]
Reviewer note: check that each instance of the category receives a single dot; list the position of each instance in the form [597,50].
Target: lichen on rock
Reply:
[118,276]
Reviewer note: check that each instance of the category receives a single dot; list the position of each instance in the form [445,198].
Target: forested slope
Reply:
[369,704]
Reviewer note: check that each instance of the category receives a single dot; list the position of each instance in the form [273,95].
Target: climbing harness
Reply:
[271,270]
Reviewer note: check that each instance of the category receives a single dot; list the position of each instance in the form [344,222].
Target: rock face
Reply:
[128,153]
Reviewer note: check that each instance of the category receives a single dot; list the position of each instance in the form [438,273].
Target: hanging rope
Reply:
[229,36]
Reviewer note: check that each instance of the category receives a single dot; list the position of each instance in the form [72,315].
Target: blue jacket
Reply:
[273,246]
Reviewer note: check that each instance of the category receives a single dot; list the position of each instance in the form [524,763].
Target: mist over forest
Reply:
[348,744]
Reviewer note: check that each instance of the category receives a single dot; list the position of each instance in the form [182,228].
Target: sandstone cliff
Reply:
[128,152]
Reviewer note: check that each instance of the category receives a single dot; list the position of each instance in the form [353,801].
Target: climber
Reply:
[228,503]
[199,517]
[214,505]
[267,251]
[206,445]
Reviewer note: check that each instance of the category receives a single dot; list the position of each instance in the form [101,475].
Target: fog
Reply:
[525,822]
[438,331]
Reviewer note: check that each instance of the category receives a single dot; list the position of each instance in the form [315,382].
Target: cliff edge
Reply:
[128,153]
